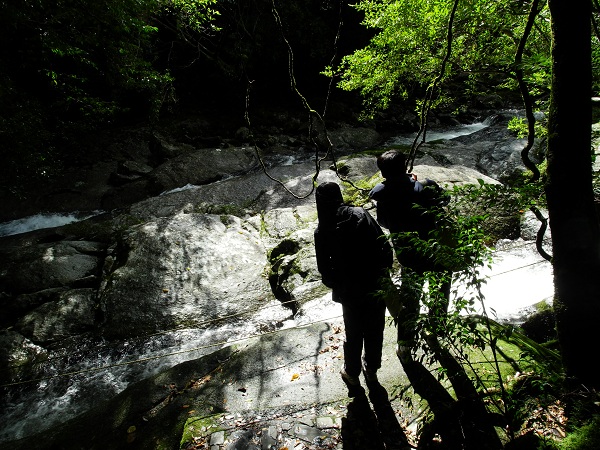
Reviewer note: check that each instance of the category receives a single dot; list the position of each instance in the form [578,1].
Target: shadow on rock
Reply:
[377,428]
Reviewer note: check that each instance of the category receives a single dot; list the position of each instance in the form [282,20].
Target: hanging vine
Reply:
[313,115]
[528,103]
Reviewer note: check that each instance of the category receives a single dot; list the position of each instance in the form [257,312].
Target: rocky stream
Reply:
[177,250]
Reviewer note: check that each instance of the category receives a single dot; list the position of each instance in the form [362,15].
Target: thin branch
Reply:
[533,13]
[430,91]
[525,91]
[312,115]
[539,239]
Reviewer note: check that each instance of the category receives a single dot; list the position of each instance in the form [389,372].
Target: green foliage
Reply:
[84,54]
[357,193]
[595,66]
[406,53]
[24,151]
[458,246]
[200,426]
[70,67]
[93,60]
[586,437]
[516,376]
[519,126]
[194,15]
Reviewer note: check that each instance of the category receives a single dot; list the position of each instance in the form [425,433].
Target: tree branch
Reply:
[430,91]
[525,91]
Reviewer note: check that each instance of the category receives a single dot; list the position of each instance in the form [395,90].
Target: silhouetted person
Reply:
[405,204]
[353,255]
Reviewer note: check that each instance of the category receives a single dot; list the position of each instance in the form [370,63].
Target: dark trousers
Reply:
[364,324]
[411,292]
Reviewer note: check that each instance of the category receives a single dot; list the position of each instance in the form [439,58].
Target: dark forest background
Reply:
[68,68]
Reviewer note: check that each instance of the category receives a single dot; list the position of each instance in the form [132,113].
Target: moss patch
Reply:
[198,429]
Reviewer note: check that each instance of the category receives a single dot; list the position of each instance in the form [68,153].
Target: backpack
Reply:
[430,194]
[427,199]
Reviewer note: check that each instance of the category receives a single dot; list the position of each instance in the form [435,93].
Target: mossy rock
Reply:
[198,429]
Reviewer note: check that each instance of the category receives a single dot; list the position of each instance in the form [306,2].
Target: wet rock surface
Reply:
[281,389]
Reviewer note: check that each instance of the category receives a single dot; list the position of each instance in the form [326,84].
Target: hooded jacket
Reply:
[352,254]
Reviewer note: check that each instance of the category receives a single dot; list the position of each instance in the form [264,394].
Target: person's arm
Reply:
[323,252]
[378,244]
[385,256]
[383,210]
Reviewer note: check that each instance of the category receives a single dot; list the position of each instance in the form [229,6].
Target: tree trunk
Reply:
[573,219]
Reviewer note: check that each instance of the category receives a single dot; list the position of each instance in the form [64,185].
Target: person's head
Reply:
[328,197]
[392,164]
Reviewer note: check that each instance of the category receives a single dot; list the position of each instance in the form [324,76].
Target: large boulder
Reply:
[184,270]
[451,176]
[41,266]
[186,167]
[18,356]
[293,273]
[202,166]
[354,138]
[494,151]
[73,314]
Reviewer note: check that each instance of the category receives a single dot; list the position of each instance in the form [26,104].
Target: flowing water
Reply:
[70,381]
[435,135]
[98,370]
[518,279]
[41,221]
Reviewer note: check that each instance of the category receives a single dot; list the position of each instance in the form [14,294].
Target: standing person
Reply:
[404,204]
[353,255]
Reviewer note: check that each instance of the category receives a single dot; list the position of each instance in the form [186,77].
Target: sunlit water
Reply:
[519,278]
[42,221]
[435,135]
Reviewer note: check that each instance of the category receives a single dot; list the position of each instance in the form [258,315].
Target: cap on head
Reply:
[329,193]
[328,197]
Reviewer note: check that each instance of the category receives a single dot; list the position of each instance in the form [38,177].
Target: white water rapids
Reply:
[463,130]
[518,279]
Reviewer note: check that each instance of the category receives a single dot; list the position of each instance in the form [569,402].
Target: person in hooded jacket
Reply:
[353,255]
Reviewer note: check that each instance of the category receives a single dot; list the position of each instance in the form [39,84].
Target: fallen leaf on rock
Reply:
[295,377]
[201,381]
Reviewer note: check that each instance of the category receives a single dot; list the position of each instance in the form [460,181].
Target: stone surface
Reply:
[48,265]
[170,261]
[178,269]
[311,411]
[73,314]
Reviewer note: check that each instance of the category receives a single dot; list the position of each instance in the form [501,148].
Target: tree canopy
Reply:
[406,53]
[67,67]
